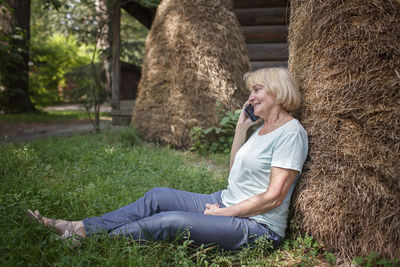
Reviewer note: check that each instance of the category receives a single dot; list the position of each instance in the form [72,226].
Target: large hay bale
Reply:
[345,56]
[195,56]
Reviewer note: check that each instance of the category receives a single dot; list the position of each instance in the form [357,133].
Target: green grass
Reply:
[48,116]
[88,175]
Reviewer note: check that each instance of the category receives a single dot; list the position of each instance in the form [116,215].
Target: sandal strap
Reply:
[53,223]
[70,232]
[39,218]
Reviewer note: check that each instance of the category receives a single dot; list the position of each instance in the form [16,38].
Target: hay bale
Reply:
[345,56]
[195,56]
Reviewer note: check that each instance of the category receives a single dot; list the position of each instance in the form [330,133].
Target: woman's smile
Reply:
[261,100]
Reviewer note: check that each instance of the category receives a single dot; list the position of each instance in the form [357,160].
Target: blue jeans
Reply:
[165,213]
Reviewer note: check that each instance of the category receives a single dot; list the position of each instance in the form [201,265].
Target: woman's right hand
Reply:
[244,121]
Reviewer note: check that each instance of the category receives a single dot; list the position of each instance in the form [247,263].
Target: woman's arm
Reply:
[243,124]
[280,182]
[238,141]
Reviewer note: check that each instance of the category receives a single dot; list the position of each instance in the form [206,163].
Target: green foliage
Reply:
[373,259]
[89,89]
[88,84]
[261,248]
[51,59]
[305,246]
[12,55]
[78,18]
[330,257]
[9,51]
[47,18]
[216,139]
[133,37]
[83,21]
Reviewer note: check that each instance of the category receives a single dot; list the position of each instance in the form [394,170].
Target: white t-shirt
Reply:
[285,147]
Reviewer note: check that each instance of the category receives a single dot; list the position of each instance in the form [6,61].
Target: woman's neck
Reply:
[275,119]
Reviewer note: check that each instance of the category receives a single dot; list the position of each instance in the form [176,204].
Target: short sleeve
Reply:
[290,151]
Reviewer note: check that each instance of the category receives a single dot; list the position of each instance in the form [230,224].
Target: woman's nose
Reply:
[251,97]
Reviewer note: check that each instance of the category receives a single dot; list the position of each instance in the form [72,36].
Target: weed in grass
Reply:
[330,258]
[130,136]
[373,259]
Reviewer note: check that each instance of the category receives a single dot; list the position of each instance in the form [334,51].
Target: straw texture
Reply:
[345,56]
[195,56]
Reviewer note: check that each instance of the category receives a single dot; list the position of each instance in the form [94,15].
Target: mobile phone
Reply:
[250,112]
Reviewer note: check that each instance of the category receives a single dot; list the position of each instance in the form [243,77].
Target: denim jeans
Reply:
[165,213]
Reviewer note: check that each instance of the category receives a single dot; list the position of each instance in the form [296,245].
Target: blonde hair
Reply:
[279,83]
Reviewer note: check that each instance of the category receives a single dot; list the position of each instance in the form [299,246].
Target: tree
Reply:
[14,47]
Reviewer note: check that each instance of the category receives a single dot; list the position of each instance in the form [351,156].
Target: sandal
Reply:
[69,233]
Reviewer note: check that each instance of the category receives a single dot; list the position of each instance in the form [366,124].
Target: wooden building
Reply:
[125,77]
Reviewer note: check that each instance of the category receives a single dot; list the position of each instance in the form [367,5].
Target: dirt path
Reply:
[21,131]
[14,132]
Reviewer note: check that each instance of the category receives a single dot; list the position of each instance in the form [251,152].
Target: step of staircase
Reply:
[255,65]
[259,3]
[265,34]
[264,24]
[268,52]
[261,16]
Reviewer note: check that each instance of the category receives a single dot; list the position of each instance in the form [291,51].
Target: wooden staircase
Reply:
[264,24]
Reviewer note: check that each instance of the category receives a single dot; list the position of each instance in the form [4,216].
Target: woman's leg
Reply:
[154,201]
[157,200]
[228,233]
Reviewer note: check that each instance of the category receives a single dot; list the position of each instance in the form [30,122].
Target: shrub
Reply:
[216,139]
[51,59]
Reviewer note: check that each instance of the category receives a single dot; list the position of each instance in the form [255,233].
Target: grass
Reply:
[49,116]
[87,175]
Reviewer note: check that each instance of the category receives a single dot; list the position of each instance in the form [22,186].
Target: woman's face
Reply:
[261,100]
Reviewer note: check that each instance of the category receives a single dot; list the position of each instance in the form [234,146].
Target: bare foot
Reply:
[64,228]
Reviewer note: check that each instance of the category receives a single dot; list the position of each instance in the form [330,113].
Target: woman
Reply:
[262,177]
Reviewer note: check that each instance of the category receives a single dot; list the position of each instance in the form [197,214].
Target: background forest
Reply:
[65,37]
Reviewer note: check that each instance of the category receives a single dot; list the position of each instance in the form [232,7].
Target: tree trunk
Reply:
[116,63]
[103,11]
[16,79]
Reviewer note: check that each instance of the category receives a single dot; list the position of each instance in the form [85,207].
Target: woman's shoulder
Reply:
[294,130]
[294,127]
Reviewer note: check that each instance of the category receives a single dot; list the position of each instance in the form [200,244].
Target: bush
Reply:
[216,139]
[51,59]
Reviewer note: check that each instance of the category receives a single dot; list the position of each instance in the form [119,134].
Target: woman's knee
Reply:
[156,192]
[158,198]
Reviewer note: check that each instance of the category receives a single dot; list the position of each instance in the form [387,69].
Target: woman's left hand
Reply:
[212,209]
